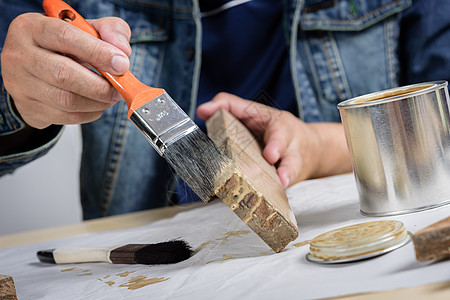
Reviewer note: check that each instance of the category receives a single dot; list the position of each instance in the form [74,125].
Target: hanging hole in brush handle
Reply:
[127,84]
[61,10]
[67,15]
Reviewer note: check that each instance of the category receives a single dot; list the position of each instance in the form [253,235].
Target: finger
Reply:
[289,168]
[66,74]
[67,101]
[239,107]
[274,149]
[59,36]
[40,116]
[283,146]
[116,96]
[206,110]
[114,31]
[54,97]
[254,115]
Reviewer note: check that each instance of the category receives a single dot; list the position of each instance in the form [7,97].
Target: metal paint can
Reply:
[399,142]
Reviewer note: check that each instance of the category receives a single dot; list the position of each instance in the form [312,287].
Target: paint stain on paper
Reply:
[135,282]
[125,274]
[302,243]
[67,270]
[233,234]
[84,272]
[138,282]
[110,283]
[225,237]
[204,244]
[224,259]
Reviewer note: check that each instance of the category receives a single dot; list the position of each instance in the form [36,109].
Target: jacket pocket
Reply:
[348,15]
[149,20]
[348,48]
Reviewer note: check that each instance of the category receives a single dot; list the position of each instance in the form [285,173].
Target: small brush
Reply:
[147,254]
[190,152]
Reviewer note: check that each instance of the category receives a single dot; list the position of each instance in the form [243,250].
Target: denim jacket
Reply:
[338,49]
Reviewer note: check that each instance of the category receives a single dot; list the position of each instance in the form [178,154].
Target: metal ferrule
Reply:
[162,122]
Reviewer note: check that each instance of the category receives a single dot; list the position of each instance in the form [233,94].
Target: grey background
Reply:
[44,193]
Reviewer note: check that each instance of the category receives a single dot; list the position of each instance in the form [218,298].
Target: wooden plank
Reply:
[7,288]
[252,188]
[433,241]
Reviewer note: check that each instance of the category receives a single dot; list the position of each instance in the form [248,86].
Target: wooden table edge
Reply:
[118,222]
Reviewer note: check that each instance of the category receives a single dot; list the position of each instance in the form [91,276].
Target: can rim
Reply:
[364,100]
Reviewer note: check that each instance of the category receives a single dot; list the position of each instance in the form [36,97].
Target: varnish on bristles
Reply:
[198,161]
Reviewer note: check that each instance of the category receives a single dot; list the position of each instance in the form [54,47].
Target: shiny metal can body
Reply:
[399,142]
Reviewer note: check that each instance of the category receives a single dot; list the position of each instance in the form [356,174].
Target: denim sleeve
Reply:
[424,47]
[14,150]
[20,144]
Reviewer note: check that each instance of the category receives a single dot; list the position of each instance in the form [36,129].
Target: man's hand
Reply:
[45,67]
[300,150]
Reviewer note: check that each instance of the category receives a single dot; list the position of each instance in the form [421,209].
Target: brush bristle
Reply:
[152,254]
[198,161]
[164,253]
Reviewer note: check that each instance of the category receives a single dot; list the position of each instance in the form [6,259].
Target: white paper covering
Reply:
[230,261]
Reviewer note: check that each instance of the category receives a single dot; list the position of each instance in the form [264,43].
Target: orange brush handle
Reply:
[127,85]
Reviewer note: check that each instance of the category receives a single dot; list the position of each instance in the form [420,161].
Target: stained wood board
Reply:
[252,188]
[433,242]
[7,288]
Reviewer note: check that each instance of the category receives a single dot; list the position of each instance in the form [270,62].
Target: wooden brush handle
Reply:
[127,85]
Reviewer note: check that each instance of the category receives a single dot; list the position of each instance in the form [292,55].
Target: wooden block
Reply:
[7,289]
[433,241]
[252,188]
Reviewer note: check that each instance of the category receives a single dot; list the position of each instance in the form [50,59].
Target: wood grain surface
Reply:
[433,242]
[252,189]
[7,288]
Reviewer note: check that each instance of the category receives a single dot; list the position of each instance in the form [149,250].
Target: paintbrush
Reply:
[188,150]
[148,254]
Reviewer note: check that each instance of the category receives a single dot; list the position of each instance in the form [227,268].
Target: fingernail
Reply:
[287,181]
[120,63]
[116,96]
[276,155]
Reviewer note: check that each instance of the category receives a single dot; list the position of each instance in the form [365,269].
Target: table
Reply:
[229,261]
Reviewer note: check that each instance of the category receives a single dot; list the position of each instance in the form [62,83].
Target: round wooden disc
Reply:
[358,240]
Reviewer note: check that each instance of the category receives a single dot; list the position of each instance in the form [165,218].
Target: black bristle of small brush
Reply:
[164,253]
[198,161]
[152,254]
